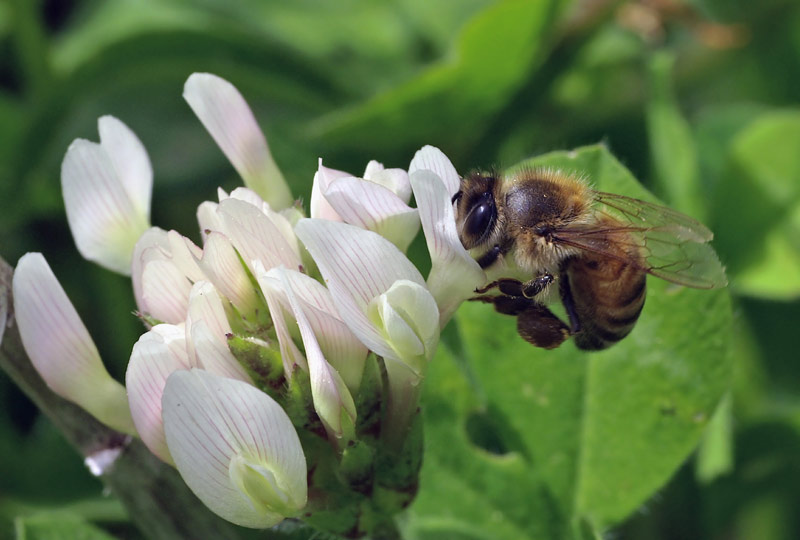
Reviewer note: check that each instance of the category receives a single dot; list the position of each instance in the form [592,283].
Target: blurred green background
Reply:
[700,99]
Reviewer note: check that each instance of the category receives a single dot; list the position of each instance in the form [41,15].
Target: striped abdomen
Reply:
[608,296]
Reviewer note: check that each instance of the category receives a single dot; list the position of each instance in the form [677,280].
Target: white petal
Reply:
[155,356]
[165,289]
[255,236]
[213,355]
[410,320]
[207,330]
[227,117]
[219,430]
[130,161]
[152,237]
[343,350]
[395,180]
[454,273]
[184,255]
[208,219]
[374,207]
[224,268]
[329,392]
[432,159]
[357,266]
[275,297]
[319,206]
[60,347]
[104,220]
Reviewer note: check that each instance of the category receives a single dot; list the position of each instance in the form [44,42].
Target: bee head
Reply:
[476,209]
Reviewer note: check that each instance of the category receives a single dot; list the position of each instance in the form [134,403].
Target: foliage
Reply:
[700,104]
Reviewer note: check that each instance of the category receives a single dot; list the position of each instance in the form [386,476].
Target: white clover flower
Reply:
[377,202]
[246,345]
[235,448]
[60,347]
[106,189]
[382,298]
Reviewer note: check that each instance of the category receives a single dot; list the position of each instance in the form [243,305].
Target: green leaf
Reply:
[672,148]
[453,98]
[715,455]
[57,526]
[527,443]
[759,202]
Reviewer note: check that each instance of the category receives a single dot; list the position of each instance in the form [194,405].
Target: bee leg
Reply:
[489,258]
[569,305]
[538,326]
[505,304]
[507,286]
[533,287]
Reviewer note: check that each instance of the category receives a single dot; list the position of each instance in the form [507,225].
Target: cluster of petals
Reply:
[187,395]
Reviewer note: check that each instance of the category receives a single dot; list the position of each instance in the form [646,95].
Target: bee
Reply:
[540,230]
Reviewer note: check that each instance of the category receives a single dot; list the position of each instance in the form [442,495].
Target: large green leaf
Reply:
[527,443]
[757,207]
[452,100]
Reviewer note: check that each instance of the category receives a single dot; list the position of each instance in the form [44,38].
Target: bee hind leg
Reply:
[505,304]
[540,327]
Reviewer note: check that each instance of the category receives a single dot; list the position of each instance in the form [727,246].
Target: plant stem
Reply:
[156,498]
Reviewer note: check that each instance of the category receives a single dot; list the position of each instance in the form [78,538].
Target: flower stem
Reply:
[156,498]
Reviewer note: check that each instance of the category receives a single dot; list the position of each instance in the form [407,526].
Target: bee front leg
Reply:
[538,326]
[533,287]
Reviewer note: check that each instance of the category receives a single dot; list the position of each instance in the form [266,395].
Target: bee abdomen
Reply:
[607,301]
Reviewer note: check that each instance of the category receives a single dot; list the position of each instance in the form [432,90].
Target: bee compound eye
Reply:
[481,217]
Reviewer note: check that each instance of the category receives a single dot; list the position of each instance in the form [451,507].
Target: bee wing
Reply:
[671,245]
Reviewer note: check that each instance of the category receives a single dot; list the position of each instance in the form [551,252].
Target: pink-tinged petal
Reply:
[104,220]
[227,117]
[454,273]
[246,195]
[185,254]
[207,330]
[374,207]
[213,355]
[225,270]
[60,347]
[152,237]
[343,350]
[357,265]
[255,236]
[155,356]
[235,448]
[319,206]
[395,180]
[432,159]
[274,295]
[332,399]
[130,161]
[165,289]
[208,219]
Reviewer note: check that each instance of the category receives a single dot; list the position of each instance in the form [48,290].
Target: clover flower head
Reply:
[264,345]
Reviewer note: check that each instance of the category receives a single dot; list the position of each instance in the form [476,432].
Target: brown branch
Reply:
[157,500]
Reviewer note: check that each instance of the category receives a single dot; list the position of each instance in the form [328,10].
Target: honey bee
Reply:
[538,230]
